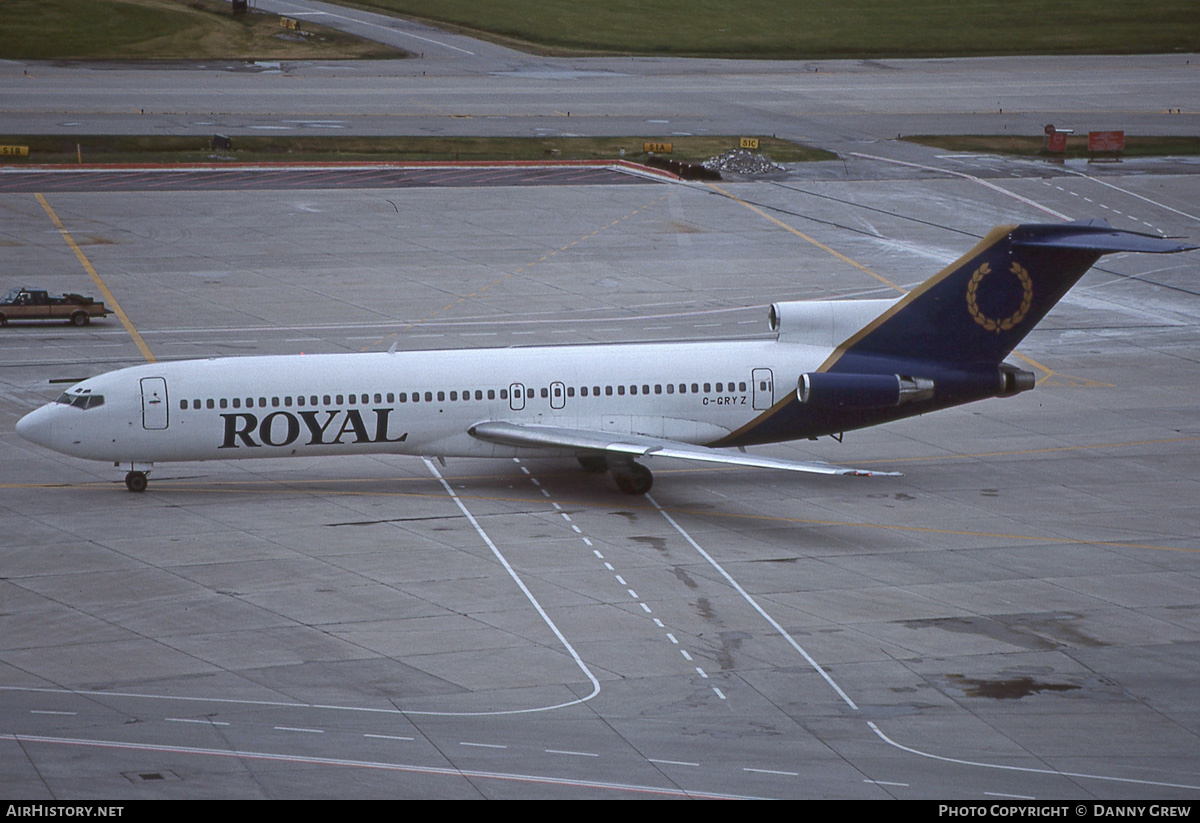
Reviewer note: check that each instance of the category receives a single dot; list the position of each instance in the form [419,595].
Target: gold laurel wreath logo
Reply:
[1007,323]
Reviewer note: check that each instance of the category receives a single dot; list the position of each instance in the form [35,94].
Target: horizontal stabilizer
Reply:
[1096,236]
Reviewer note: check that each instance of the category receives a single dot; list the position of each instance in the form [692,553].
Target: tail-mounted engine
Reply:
[861,391]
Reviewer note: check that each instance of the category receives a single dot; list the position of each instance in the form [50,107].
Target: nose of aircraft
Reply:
[38,426]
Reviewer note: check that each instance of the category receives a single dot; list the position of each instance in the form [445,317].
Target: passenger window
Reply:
[339,400]
[391,398]
[696,388]
[453,396]
[366,398]
[633,389]
[491,394]
[327,402]
[645,389]
[312,401]
[708,387]
[275,402]
[429,396]
[300,400]
[287,401]
[416,397]
[237,402]
[262,402]
[570,391]
[441,397]
[209,403]
[621,390]
[742,386]
[183,404]
[349,397]
[670,388]
[545,393]
[479,394]
[378,399]
[583,391]
[224,403]
[504,394]
[608,391]
[402,397]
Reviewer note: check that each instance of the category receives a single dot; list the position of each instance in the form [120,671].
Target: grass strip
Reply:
[276,148]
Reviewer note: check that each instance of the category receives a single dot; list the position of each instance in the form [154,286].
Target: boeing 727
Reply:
[834,366]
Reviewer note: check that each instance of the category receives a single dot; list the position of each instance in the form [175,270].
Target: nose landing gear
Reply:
[137,478]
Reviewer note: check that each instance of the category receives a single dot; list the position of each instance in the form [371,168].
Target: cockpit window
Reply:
[81,401]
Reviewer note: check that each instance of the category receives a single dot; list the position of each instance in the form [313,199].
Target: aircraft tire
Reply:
[136,482]
[593,463]
[634,479]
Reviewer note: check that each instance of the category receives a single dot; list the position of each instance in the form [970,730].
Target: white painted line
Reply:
[528,596]
[556,507]
[1013,796]
[658,623]
[621,580]
[746,596]
[770,771]
[482,745]
[597,553]
[389,737]
[685,654]
[672,762]
[575,754]
[645,608]
[1026,769]
[296,729]
[608,566]
[403,768]
[47,711]
[720,693]
[1133,194]
[632,593]
[587,542]
[702,673]
[971,177]
[575,528]
[566,517]
[195,720]
[887,783]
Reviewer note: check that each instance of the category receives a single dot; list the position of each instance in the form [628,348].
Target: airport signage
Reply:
[1106,141]
[657,148]
[14,151]
[749,143]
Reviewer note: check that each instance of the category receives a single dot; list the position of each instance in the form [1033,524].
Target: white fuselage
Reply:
[419,402]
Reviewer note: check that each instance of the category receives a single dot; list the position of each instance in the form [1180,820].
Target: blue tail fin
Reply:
[976,310]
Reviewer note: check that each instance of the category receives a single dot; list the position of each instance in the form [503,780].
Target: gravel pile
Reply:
[740,161]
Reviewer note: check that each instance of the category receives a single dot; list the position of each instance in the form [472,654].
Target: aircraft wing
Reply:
[634,445]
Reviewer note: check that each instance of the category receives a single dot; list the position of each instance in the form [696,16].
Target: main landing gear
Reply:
[631,478]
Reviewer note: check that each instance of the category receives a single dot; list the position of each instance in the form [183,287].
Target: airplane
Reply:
[834,366]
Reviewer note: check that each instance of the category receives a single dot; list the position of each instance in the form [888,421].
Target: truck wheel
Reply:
[3,320]
[80,318]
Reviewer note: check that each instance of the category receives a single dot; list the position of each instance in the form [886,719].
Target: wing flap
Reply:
[627,445]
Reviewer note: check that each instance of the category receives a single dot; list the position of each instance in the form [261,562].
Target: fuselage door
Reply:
[558,395]
[155,411]
[764,388]
[516,397]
